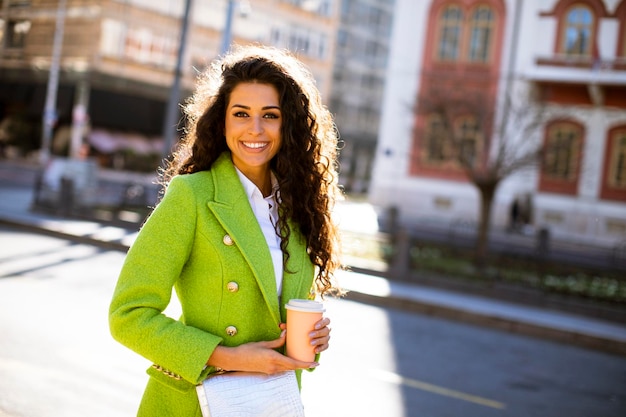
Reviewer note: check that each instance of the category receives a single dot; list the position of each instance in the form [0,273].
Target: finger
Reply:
[306,365]
[320,344]
[321,348]
[273,344]
[320,341]
[323,332]
[324,322]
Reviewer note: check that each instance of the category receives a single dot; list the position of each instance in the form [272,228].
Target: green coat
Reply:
[204,240]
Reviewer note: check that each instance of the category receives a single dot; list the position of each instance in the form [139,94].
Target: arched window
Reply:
[481,31]
[617,163]
[450,27]
[614,175]
[562,152]
[578,31]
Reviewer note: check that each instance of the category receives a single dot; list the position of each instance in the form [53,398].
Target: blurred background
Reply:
[460,123]
[483,142]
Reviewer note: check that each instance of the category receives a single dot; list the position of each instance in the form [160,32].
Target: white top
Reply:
[266,212]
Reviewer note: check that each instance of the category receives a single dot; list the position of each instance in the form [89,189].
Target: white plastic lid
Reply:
[305,305]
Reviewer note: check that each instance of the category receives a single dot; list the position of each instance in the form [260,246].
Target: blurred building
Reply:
[566,58]
[359,76]
[118,59]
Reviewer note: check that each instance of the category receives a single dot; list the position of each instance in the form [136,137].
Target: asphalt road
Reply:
[57,358]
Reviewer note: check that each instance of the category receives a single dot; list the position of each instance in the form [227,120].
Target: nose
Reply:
[256,125]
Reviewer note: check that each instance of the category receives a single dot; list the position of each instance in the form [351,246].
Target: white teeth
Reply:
[255,145]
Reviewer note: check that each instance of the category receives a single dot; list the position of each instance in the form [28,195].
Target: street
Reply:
[57,358]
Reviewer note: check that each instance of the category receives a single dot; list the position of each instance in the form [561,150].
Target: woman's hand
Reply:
[321,335]
[258,357]
[262,356]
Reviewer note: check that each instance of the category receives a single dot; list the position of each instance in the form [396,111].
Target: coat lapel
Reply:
[232,209]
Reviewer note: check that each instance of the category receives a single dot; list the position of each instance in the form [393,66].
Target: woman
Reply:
[244,226]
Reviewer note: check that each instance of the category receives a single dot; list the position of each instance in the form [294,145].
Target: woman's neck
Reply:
[261,178]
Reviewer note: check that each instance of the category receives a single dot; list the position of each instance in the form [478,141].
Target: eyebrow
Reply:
[262,108]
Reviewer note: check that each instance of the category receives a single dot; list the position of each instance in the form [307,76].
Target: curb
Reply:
[116,245]
[587,341]
[396,301]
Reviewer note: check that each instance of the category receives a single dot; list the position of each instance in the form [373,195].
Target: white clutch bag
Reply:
[250,394]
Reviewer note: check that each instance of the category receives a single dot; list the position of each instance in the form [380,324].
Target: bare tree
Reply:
[484,140]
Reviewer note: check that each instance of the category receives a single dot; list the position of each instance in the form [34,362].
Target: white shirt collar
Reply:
[250,188]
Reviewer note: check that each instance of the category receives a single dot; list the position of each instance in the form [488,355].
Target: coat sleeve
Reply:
[144,289]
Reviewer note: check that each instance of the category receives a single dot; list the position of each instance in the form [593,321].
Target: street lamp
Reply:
[172,103]
[227,35]
[50,110]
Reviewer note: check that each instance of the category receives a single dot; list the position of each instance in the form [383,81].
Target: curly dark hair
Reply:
[306,164]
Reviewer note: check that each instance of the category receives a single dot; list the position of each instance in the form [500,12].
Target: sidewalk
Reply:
[15,211]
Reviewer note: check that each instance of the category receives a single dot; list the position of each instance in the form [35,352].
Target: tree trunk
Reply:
[487,192]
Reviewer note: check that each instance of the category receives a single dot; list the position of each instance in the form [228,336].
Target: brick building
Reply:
[563,60]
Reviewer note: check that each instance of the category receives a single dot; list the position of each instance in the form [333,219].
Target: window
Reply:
[345,10]
[614,175]
[141,45]
[468,38]
[435,139]
[18,3]
[467,135]
[450,33]
[617,163]
[16,33]
[481,28]
[166,7]
[143,40]
[301,40]
[562,152]
[112,38]
[325,8]
[577,32]
[321,7]
[342,38]
[322,46]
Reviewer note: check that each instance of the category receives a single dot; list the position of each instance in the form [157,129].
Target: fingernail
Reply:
[283,333]
[314,365]
[318,326]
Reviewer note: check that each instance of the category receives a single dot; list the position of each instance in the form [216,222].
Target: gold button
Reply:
[231,330]
[228,241]
[232,286]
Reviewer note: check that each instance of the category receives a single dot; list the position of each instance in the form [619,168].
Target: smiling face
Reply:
[252,129]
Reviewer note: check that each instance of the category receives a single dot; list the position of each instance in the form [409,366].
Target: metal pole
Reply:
[228,27]
[79,117]
[50,111]
[172,104]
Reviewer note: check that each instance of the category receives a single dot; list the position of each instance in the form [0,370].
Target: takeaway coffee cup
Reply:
[301,318]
